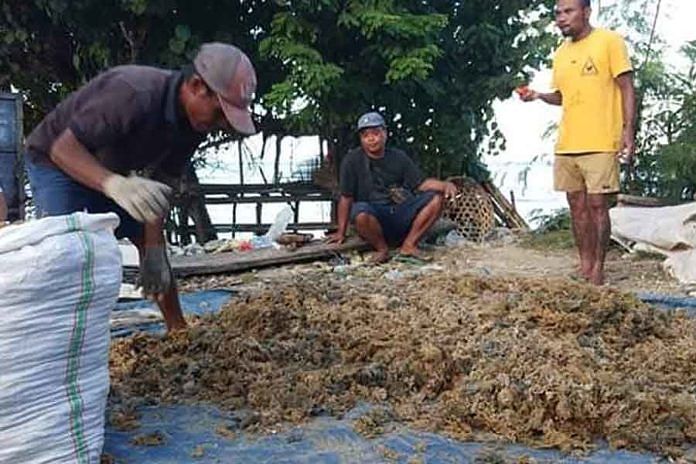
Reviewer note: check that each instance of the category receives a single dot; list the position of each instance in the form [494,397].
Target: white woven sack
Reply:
[59,280]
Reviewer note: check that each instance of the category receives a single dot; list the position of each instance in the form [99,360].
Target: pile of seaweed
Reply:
[541,362]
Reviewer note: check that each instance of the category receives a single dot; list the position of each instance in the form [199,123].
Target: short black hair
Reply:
[189,71]
[586,3]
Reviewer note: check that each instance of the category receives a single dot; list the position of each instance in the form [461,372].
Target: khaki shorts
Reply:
[593,172]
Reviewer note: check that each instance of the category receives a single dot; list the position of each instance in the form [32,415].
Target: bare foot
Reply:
[584,270]
[409,250]
[596,278]
[379,257]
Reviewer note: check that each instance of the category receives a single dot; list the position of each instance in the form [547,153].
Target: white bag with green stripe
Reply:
[59,280]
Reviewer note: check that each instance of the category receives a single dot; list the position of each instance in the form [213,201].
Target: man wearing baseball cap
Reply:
[386,196]
[109,145]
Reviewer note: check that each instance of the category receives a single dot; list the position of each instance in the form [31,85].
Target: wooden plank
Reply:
[510,213]
[285,188]
[268,199]
[263,228]
[634,200]
[224,263]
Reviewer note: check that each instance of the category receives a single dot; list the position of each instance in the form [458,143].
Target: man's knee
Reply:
[364,219]
[577,199]
[597,202]
[437,201]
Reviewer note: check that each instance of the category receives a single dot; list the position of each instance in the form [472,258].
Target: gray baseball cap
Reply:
[230,74]
[371,119]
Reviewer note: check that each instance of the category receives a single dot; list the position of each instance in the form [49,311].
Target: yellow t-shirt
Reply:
[584,72]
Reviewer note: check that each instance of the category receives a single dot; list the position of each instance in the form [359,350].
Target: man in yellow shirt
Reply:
[593,82]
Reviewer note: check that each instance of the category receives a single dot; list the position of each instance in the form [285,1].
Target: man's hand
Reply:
[450,190]
[337,238]
[526,94]
[144,199]
[155,272]
[628,146]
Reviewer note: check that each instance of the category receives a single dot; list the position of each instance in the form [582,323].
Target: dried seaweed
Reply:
[548,363]
[155,438]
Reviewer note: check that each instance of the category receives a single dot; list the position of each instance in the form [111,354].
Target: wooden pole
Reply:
[509,214]
[241,163]
[276,165]
[234,218]
[297,212]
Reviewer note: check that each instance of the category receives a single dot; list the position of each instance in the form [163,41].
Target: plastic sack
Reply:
[59,280]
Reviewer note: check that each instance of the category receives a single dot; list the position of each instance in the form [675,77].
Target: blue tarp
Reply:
[190,431]
[668,302]
[203,302]
[190,436]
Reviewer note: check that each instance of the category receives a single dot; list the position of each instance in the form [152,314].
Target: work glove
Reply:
[144,199]
[155,272]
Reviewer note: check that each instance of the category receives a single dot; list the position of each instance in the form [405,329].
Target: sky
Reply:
[525,168]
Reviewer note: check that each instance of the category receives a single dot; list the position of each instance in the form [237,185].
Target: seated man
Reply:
[385,194]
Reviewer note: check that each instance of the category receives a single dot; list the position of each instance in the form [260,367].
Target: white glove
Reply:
[144,199]
[155,272]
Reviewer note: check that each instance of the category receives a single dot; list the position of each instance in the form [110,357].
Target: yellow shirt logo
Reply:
[589,69]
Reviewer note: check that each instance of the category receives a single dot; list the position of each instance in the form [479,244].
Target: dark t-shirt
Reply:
[369,179]
[129,117]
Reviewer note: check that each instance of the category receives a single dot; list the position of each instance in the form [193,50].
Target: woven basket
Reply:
[472,210]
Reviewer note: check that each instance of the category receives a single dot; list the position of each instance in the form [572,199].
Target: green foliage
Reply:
[666,126]
[548,222]
[547,241]
[553,231]
[433,67]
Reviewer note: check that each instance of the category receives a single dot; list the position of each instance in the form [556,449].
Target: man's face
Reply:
[373,140]
[203,109]
[571,17]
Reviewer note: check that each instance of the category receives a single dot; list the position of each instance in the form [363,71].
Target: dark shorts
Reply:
[56,194]
[395,220]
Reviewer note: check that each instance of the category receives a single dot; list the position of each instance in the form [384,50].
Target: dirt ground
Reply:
[623,271]
[505,258]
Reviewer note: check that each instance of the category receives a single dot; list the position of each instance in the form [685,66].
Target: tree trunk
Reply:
[193,204]
[263,153]
[241,162]
[276,164]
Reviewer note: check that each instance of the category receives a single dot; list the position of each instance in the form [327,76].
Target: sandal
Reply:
[414,260]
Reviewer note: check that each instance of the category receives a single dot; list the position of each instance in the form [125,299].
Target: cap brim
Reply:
[369,126]
[239,119]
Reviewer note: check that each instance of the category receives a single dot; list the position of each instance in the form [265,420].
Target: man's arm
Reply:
[3,208]
[344,206]
[448,189]
[144,199]
[73,158]
[553,98]
[628,101]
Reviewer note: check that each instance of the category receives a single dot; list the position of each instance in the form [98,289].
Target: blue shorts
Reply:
[396,220]
[56,194]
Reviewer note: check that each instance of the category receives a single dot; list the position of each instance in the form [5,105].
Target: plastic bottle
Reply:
[280,223]
[260,241]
